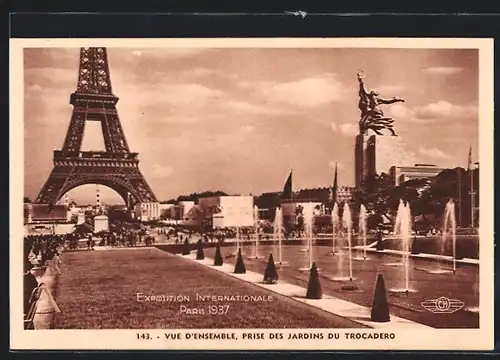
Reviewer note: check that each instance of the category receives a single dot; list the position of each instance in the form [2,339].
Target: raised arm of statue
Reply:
[363,95]
[390,101]
[363,91]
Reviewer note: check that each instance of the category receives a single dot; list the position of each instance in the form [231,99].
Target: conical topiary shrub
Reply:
[314,286]
[218,257]
[239,268]
[270,274]
[380,307]
[185,248]
[200,255]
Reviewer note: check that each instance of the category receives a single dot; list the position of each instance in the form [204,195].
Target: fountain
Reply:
[237,240]
[346,218]
[397,227]
[403,228]
[278,233]
[342,228]
[362,231]
[449,218]
[308,225]
[304,233]
[449,224]
[347,221]
[335,226]
[256,231]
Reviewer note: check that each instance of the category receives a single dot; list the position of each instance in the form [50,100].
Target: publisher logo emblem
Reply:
[443,305]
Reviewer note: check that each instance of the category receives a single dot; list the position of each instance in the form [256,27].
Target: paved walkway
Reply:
[349,310]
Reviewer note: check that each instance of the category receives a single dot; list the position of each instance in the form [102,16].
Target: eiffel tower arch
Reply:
[116,167]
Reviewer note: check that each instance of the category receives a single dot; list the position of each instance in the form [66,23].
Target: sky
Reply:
[238,120]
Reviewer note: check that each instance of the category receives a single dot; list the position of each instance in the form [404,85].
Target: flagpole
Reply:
[471,182]
[472,197]
[459,197]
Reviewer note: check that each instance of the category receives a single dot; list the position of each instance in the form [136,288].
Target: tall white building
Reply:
[400,174]
[147,211]
[228,211]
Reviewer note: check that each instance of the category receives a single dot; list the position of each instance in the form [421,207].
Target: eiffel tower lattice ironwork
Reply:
[117,167]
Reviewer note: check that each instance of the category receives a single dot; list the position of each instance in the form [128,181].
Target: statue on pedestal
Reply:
[371,116]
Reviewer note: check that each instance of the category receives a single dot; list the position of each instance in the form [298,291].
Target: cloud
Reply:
[443,70]
[201,72]
[159,53]
[443,108]
[187,94]
[431,112]
[180,119]
[161,171]
[254,108]
[51,76]
[399,111]
[308,92]
[348,129]
[345,128]
[434,153]
[247,129]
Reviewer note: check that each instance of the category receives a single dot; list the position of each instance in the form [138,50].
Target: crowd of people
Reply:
[125,238]
[40,252]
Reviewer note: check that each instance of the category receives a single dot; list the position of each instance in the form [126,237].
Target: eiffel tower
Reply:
[117,167]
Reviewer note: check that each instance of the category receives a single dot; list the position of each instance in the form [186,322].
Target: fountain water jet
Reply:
[305,230]
[397,227]
[362,231]
[449,218]
[278,233]
[403,228]
[309,233]
[335,226]
[449,224]
[256,231]
[344,230]
[347,220]
[238,237]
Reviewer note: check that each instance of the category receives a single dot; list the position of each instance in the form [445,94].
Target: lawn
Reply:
[98,290]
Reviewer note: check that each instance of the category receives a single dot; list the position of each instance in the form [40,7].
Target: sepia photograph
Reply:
[229,194]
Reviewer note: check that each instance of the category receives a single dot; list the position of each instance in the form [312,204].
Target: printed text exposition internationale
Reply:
[142,297]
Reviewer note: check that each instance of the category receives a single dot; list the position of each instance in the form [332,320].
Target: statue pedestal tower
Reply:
[375,154]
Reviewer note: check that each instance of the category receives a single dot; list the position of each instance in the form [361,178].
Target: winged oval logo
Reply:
[442,305]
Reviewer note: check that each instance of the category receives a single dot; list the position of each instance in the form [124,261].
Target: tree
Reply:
[196,196]
[449,184]
[268,200]
[171,201]
[379,196]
